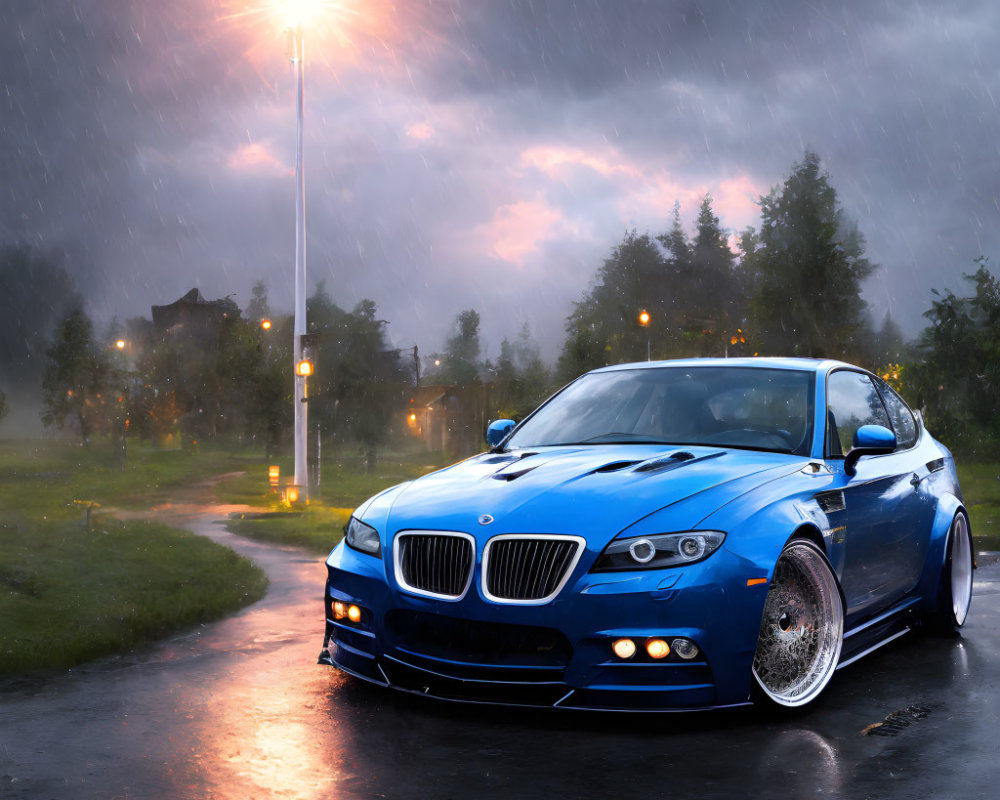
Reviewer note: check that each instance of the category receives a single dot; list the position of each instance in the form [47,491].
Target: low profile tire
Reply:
[802,629]
[955,587]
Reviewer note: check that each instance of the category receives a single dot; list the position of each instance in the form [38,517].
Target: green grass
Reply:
[343,481]
[981,490]
[316,529]
[67,594]
[343,486]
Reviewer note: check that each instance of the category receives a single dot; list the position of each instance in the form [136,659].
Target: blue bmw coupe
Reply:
[660,536]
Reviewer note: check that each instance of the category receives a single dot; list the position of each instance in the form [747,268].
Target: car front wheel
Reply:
[802,629]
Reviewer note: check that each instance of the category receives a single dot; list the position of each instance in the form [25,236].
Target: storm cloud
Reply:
[484,154]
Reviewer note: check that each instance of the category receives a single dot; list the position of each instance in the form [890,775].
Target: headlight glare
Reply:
[363,537]
[656,552]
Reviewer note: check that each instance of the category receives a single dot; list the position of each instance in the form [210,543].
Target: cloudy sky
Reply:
[484,154]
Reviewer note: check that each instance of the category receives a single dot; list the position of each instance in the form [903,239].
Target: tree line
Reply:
[789,286]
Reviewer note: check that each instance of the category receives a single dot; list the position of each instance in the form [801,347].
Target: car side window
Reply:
[902,418]
[852,401]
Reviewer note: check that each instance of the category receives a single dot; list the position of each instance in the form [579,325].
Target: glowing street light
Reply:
[265,324]
[120,344]
[644,323]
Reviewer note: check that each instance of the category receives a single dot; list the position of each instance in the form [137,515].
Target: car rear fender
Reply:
[937,551]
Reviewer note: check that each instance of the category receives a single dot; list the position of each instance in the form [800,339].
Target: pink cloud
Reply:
[516,229]
[552,159]
[256,157]
[420,131]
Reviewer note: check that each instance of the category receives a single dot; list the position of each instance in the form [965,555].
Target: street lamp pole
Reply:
[644,323]
[301,424]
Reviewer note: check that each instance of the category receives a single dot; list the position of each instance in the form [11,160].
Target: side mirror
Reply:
[498,430]
[869,440]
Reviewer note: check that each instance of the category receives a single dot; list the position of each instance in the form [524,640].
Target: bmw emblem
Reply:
[485,519]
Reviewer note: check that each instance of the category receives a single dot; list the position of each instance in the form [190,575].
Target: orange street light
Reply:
[265,324]
[273,476]
[120,344]
[304,368]
[644,323]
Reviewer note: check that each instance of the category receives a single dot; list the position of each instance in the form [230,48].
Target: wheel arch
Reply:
[937,553]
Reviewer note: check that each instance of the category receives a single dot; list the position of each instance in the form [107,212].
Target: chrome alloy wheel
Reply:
[802,629]
[960,556]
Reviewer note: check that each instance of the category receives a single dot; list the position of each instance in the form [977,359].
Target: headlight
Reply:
[363,537]
[655,552]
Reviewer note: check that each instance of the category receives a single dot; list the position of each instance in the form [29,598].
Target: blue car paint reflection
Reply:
[757,464]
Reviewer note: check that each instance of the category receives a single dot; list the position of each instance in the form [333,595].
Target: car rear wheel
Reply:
[955,586]
[802,629]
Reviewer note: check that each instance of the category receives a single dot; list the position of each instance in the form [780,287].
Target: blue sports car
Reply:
[660,536]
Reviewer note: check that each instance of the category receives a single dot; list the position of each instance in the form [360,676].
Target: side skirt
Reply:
[877,632]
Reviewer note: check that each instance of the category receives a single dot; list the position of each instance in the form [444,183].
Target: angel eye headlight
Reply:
[657,552]
[362,537]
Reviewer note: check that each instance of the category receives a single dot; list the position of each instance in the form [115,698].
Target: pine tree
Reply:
[76,380]
[809,260]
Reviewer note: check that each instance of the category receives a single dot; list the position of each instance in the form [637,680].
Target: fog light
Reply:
[685,649]
[354,613]
[624,648]
[339,610]
[657,648]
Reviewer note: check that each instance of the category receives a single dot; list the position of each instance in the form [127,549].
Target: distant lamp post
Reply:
[120,344]
[304,368]
[265,324]
[644,323]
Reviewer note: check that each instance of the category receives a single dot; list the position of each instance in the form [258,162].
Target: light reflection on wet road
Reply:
[239,709]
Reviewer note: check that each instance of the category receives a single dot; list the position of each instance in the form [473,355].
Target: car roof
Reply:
[800,364]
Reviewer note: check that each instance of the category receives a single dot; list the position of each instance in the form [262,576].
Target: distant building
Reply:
[193,319]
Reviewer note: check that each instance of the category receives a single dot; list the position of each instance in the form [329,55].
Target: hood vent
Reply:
[504,475]
[614,466]
[665,462]
[505,459]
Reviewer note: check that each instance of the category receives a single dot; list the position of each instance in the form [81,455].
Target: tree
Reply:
[36,293]
[959,381]
[76,380]
[257,308]
[603,328]
[715,301]
[809,261]
[460,364]
[359,380]
[889,345]
[4,408]
[521,380]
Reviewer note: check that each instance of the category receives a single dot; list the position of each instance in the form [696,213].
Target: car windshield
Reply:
[744,407]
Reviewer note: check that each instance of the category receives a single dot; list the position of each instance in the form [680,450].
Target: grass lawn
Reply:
[343,486]
[68,594]
[981,489]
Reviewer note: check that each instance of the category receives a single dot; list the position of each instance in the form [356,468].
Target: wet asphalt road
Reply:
[239,709]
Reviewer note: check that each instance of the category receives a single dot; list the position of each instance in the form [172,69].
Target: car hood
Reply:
[595,491]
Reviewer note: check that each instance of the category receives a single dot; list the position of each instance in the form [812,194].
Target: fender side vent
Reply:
[831,502]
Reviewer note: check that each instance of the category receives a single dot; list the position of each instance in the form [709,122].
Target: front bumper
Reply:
[558,654]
